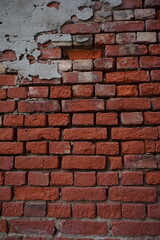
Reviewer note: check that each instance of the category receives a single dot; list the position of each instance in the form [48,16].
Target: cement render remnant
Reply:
[22,23]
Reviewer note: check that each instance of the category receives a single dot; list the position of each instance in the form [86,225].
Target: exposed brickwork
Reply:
[85,148]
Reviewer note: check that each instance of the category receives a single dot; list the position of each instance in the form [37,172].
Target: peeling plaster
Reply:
[23,20]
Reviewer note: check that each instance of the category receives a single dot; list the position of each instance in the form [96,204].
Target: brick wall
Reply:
[79,155]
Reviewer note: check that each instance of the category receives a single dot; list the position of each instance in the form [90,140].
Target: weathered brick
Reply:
[127,63]
[145,14]
[50,53]
[153,25]
[148,37]
[38,106]
[140,161]
[107,90]
[154,49]
[104,64]
[78,28]
[125,50]
[38,178]
[124,26]
[35,209]
[123,15]
[83,65]
[152,3]
[104,39]
[125,38]
[83,91]
[59,147]
[38,92]
[133,118]
[148,62]
[82,77]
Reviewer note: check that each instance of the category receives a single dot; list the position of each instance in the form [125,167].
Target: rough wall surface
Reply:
[80,116]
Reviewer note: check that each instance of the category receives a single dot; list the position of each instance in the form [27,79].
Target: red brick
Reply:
[78,28]
[83,162]
[58,119]
[124,26]
[133,118]
[130,228]
[127,77]
[7,106]
[112,210]
[133,147]
[149,89]
[155,75]
[50,53]
[107,179]
[82,91]
[127,63]
[35,209]
[132,194]
[83,194]
[150,146]
[37,80]
[38,106]
[38,134]
[84,210]
[152,3]
[8,80]
[36,193]
[60,92]
[6,163]
[155,103]
[6,134]
[22,226]
[131,4]
[1,179]
[154,211]
[18,92]
[105,90]
[76,54]
[5,194]
[86,148]
[61,178]
[36,147]
[115,163]
[153,177]
[158,146]
[133,211]
[3,94]
[150,62]
[83,119]
[132,178]
[3,226]
[38,162]
[84,228]
[152,118]
[140,161]
[7,148]
[127,90]
[59,148]
[134,133]
[125,50]
[82,77]
[153,25]
[128,104]
[106,119]
[107,148]
[35,120]
[38,178]
[84,179]
[154,49]
[104,64]
[7,56]
[12,209]
[104,39]
[59,210]
[38,92]
[13,120]
[15,178]
[125,38]
[85,133]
